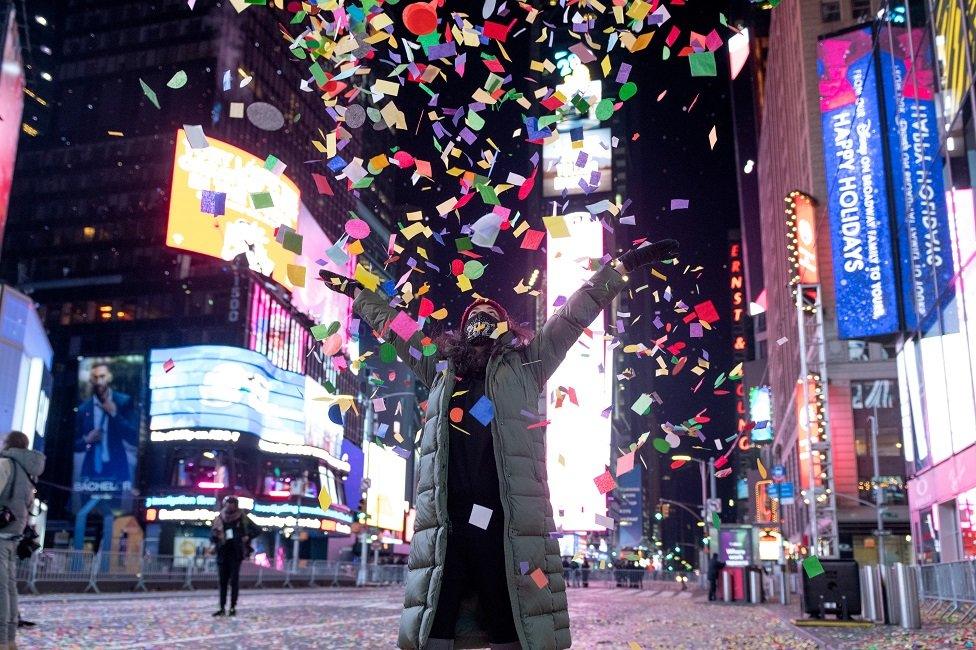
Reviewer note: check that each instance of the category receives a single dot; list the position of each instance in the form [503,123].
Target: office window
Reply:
[860,9]
[829,11]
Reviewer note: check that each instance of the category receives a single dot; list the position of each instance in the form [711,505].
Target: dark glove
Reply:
[635,258]
[340,284]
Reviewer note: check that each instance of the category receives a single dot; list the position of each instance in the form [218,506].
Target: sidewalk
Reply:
[934,634]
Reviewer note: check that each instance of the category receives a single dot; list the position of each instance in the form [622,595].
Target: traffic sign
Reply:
[778,473]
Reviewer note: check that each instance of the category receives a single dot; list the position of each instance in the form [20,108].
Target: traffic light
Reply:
[361,514]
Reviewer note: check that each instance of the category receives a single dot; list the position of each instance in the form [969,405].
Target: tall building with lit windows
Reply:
[849,378]
[132,281]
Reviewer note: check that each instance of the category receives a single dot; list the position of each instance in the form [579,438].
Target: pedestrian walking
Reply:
[483,508]
[586,572]
[566,569]
[19,469]
[576,573]
[715,567]
[231,537]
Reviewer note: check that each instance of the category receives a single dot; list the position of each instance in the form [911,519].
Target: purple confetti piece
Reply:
[623,73]
[679,204]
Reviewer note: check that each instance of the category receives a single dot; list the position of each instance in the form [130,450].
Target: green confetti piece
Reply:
[812,566]
[665,53]
[261,200]
[474,269]
[627,91]
[429,350]
[149,93]
[329,386]
[319,332]
[662,445]
[177,81]
[716,520]
[702,64]
[388,353]
[604,109]
[333,328]
[463,244]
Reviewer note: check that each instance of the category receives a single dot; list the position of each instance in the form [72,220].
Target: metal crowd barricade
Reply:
[73,570]
[948,590]
[58,566]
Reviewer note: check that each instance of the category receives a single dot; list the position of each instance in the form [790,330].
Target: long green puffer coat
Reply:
[514,379]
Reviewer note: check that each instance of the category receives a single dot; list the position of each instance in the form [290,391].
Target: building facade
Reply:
[937,358]
[850,381]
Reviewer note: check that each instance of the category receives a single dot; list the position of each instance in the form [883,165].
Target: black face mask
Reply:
[479,328]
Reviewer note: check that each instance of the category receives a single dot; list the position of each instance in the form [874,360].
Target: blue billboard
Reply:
[924,247]
[630,524]
[857,186]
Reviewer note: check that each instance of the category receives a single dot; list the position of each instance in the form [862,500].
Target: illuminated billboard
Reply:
[226,202]
[908,82]
[314,299]
[761,413]
[11,108]
[809,426]
[218,388]
[857,197]
[801,238]
[578,436]
[577,161]
[107,423]
[387,473]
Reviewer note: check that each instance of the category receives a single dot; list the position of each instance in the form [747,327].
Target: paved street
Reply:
[367,618]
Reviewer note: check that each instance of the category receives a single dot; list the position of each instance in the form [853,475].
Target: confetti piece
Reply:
[625,463]
[782,341]
[483,411]
[177,81]
[168,365]
[539,578]
[606,522]
[712,138]
[812,566]
[604,482]
[357,229]
[149,93]
[325,499]
[265,116]
[404,326]
[480,516]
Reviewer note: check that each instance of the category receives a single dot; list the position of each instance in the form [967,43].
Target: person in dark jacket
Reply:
[19,469]
[715,567]
[231,535]
[586,572]
[483,569]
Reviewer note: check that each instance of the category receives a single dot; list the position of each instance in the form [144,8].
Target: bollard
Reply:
[872,597]
[755,587]
[892,598]
[784,596]
[727,595]
[909,615]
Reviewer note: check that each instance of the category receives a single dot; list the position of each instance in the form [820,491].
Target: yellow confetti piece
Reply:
[762,470]
[296,274]
[365,278]
[325,499]
[556,226]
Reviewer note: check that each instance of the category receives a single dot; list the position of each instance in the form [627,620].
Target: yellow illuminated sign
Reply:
[231,181]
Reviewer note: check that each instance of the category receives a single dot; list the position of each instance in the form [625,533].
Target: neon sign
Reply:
[801,239]
[190,435]
[739,340]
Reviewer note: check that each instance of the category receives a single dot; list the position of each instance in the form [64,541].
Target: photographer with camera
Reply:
[19,469]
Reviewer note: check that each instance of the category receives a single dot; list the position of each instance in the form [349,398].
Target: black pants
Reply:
[230,573]
[712,585]
[475,562]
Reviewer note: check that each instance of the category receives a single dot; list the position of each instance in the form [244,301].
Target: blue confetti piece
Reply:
[483,411]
